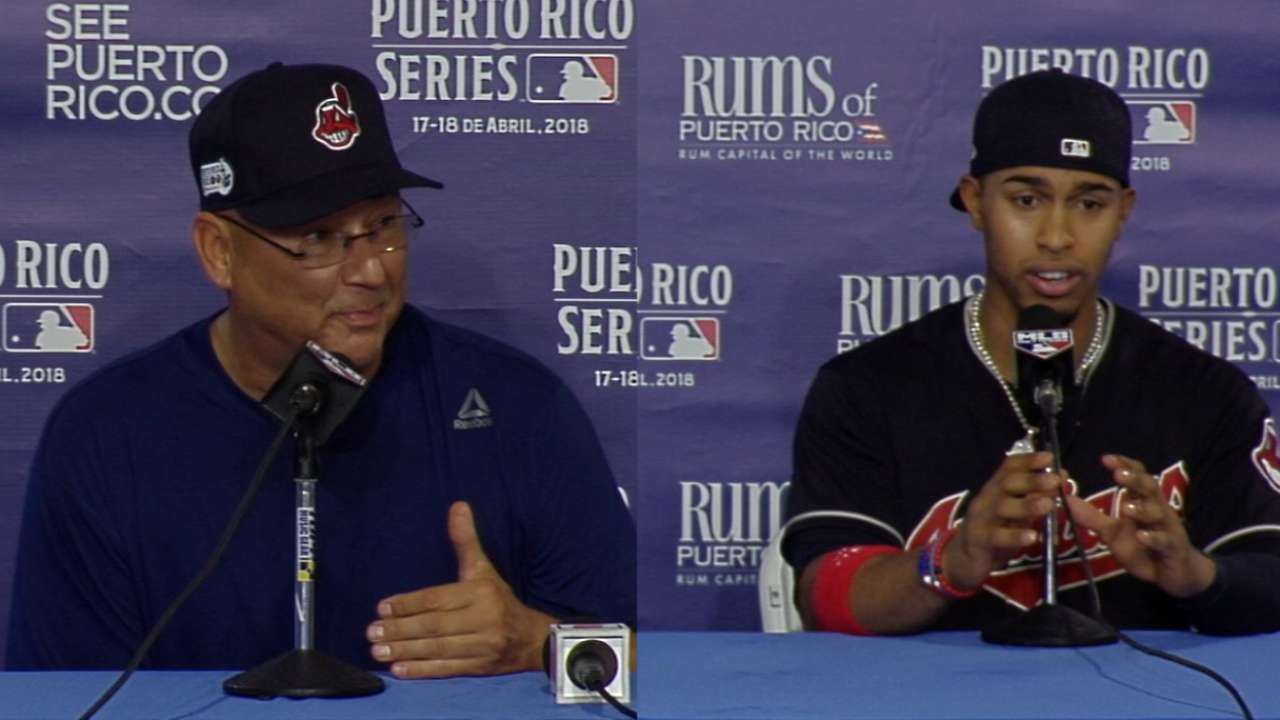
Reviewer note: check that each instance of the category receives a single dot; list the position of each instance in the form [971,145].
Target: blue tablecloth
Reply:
[198,696]
[751,676]
[952,676]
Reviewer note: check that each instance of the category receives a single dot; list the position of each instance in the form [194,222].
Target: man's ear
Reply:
[211,236]
[971,195]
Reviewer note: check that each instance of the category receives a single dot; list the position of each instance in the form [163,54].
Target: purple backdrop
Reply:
[734,192]
[809,148]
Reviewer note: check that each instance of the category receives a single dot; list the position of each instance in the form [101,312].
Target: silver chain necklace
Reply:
[1027,444]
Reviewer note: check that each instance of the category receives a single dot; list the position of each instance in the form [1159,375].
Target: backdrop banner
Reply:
[681,208]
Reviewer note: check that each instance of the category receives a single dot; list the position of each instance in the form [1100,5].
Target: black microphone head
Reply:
[1043,353]
[1042,336]
[1039,317]
[307,398]
[320,387]
[592,665]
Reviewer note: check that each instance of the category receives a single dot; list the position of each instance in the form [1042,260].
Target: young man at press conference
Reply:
[1169,454]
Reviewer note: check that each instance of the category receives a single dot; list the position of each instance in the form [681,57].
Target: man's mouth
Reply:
[1053,283]
[363,317]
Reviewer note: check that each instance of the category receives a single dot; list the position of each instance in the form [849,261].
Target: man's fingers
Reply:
[1145,512]
[1156,541]
[472,561]
[1132,475]
[1023,509]
[1138,484]
[1005,538]
[1031,482]
[1087,516]
[439,598]
[423,625]
[450,647]
[1031,462]
[1140,497]
[1116,461]
[441,668]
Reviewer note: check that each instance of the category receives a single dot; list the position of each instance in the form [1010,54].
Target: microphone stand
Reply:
[1050,624]
[304,671]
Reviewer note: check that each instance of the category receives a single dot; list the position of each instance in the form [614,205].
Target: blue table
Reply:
[947,676]
[198,696]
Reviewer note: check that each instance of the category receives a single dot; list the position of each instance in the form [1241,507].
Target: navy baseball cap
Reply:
[288,144]
[1051,119]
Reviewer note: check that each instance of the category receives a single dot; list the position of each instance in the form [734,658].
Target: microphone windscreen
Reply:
[592,665]
[1043,352]
[1039,317]
[339,384]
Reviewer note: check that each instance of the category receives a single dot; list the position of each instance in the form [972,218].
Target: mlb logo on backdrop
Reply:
[680,338]
[571,78]
[48,327]
[1163,122]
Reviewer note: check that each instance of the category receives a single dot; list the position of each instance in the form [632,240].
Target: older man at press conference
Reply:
[445,549]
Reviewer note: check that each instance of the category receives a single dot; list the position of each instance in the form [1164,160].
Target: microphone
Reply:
[1042,346]
[590,662]
[320,387]
[314,395]
[592,665]
[317,392]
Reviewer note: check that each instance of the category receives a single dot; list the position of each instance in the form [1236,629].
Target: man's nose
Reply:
[1056,233]
[362,264]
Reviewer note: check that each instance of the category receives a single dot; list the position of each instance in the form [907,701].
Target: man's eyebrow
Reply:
[1032,180]
[1088,187]
[1041,183]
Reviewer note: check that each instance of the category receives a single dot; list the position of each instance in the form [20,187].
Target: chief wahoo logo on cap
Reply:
[337,125]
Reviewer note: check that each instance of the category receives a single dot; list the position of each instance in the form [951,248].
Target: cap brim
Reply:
[327,194]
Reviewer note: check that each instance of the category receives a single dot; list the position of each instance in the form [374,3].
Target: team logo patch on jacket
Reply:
[1265,457]
[337,124]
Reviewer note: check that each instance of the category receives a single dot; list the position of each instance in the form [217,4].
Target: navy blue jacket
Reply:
[141,465]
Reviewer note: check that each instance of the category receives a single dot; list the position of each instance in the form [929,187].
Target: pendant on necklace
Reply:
[1023,445]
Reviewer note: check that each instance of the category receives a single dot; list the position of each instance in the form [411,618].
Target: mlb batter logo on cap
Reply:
[1072,147]
[337,124]
[48,327]
[1044,344]
[680,338]
[563,78]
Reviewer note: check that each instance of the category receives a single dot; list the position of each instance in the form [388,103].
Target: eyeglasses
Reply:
[324,248]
